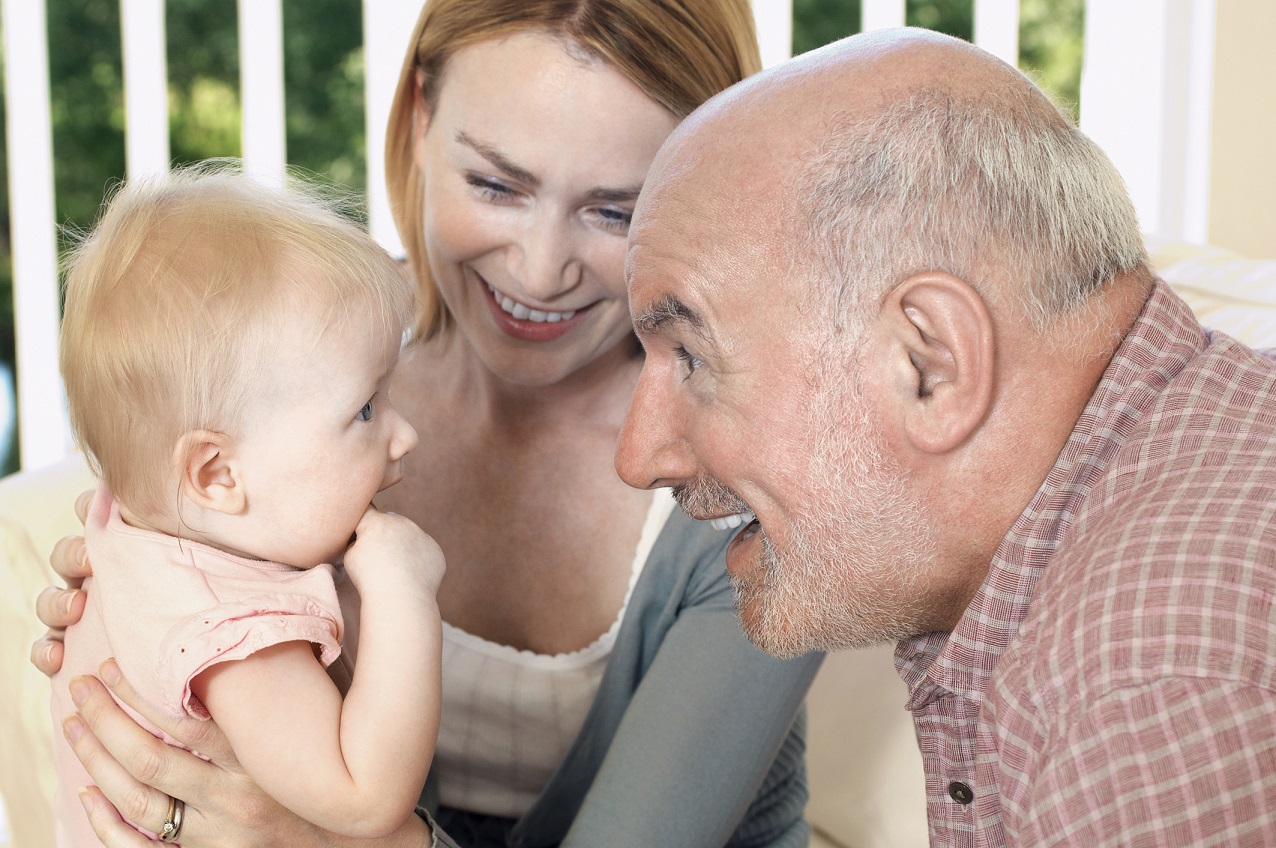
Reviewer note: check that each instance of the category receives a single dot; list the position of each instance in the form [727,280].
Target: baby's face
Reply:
[321,439]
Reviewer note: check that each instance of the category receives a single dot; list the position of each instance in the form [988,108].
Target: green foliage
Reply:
[323,78]
[1051,34]
[820,22]
[1051,43]
[953,17]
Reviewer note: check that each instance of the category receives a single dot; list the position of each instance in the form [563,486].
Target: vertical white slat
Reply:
[1140,103]
[774,20]
[261,74]
[997,28]
[145,87]
[45,434]
[387,26]
[1199,42]
[881,14]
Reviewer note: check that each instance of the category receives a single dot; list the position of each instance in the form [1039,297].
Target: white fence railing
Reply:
[1147,65]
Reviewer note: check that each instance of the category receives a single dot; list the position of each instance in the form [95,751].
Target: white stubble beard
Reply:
[851,571]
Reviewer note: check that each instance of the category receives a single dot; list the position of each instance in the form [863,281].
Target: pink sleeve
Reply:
[234,631]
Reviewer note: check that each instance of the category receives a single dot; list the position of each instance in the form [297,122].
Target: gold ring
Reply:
[173,824]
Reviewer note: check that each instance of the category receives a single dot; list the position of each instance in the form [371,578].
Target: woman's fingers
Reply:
[46,653]
[59,608]
[70,560]
[203,736]
[107,824]
[131,795]
[82,502]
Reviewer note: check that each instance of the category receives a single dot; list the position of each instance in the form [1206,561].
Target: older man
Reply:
[897,314]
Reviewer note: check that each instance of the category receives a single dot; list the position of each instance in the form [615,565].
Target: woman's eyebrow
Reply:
[622,194]
[498,160]
[625,194]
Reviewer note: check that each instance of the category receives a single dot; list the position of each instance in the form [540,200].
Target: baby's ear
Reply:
[209,476]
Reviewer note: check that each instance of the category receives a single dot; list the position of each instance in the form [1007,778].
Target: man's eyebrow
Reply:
[667,310]
[498,159]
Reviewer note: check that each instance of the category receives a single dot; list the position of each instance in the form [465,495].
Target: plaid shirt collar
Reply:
[1164,338]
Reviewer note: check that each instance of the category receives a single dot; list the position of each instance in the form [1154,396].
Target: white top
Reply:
[509,715]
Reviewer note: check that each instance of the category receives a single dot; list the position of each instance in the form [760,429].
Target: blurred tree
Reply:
[1051,43]
[819,22]
[1051,34]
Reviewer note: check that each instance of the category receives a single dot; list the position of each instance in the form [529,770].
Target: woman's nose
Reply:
[547,261]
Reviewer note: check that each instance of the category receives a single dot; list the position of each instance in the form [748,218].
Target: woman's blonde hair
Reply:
[678,52]
[174,301]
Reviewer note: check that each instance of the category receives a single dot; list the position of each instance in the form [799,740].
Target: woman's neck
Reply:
[450,370]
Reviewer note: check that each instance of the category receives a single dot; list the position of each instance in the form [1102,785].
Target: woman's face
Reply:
[532,160]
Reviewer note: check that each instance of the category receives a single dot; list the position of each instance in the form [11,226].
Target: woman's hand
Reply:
[59,608]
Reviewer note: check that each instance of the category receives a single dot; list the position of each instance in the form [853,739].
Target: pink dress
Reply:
[167,609]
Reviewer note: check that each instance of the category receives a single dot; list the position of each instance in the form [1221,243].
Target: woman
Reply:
[597,690]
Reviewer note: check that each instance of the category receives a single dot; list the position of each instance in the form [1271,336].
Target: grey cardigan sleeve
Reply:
[709,750]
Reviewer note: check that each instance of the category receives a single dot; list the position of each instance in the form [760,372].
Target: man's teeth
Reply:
[523,313]
[730,522]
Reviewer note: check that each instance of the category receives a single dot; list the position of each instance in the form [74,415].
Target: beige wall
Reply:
[1243,142]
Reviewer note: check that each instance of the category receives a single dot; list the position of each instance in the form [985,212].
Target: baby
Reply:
[227,350]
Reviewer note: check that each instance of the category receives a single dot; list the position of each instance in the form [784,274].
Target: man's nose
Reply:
[652,451]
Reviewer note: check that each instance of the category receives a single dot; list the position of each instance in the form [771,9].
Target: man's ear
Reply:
[420,117]
[209,476]
[943,359]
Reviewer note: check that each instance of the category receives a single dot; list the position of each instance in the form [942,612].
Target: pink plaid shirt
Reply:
[1114,680]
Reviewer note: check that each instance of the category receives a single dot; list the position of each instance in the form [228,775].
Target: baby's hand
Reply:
[389,550]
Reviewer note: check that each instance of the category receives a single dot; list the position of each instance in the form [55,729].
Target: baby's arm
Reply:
[356,766]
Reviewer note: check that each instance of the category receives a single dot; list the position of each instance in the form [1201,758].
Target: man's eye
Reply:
[365,414]
[690,360]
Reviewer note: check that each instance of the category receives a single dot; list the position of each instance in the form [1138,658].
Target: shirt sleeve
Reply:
[235,631]
[1179,761]
[709,723]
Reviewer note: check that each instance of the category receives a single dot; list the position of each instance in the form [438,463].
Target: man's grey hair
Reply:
[1000,190]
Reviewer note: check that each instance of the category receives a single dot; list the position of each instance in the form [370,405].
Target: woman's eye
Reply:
[490,189]
[365,414]
[615,219]
[690,361]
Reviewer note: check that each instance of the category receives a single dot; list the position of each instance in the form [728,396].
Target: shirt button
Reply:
[960,792]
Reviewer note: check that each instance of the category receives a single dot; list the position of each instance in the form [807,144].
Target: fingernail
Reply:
[86,798]
[46,654]
[110,672]
[79,691]
[82,555]
[73,728]
[67,599]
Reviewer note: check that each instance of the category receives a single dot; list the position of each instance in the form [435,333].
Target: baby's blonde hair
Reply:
[174,299]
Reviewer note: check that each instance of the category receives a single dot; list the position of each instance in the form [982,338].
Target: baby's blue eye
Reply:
[365,414]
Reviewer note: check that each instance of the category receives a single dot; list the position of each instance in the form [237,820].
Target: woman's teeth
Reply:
[523,313]
[730,522]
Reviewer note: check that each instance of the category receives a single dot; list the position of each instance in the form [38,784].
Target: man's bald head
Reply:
[906,150]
